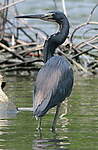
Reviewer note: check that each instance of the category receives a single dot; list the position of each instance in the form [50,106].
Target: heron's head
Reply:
[53,16]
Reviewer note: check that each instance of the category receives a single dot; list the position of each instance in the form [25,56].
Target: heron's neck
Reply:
[56,39]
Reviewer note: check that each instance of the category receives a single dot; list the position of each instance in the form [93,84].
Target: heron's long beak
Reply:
[46,17]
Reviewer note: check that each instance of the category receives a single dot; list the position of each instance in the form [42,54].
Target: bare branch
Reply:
[12,4]
[84,24]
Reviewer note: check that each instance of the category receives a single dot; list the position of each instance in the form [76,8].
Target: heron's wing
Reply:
[52,83]
[46,82]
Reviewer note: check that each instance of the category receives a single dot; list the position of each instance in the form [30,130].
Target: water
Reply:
[78,129]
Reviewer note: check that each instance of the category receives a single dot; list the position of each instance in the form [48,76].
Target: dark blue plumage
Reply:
[52,84]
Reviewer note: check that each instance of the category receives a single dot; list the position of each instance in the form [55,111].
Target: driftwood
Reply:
[17,54]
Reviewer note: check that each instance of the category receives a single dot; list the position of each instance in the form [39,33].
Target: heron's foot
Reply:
[53,129]
[39,129]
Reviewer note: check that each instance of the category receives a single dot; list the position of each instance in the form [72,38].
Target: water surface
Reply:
[75,130]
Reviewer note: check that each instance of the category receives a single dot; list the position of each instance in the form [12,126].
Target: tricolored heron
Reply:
[55,79]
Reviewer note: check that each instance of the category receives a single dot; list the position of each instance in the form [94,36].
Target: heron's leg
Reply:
[39,123]
[55,117]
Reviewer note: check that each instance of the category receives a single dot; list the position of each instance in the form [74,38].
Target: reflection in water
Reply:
[7,111]
[54,143]
[75,130]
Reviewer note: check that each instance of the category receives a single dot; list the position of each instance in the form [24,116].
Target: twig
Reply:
[83,52]
[37,48]
[12,52]
[33,29]
[96,47]
[82,44]
[21,69]
[84,24]
[12,4]
[93,22]
[55,4]
[89,18]
[26,63]
[64,8]
[26,34]
[73,61]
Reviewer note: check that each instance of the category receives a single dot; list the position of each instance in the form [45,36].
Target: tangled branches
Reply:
[18,55]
